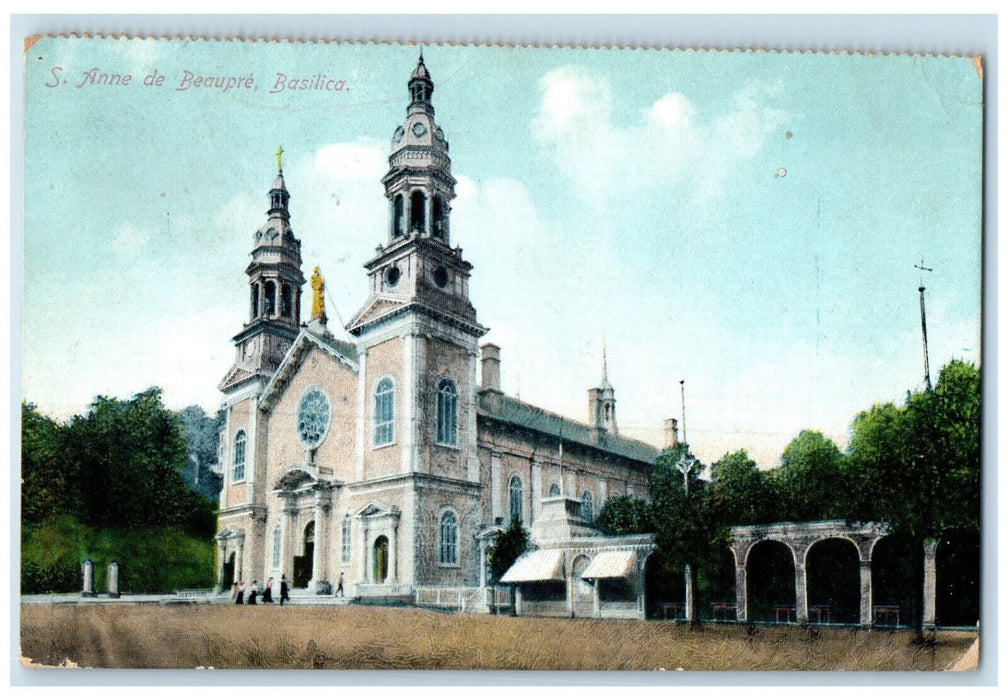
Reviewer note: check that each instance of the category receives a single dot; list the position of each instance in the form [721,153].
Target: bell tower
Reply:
[417,332]
[275,281]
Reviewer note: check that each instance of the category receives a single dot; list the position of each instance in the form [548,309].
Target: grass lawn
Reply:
[350,637]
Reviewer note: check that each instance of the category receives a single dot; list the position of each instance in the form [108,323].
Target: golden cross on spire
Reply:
[278,154]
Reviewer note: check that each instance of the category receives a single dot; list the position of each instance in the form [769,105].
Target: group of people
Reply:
[238,592]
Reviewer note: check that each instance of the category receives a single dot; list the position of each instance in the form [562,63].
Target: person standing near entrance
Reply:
[339,585]
[240,599]
[253,592]
[283,589]
[268,591]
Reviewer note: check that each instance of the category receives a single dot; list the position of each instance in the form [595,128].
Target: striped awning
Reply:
[618,564]
[541,565]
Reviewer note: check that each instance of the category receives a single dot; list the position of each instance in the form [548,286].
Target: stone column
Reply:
[393,559]
[866,593]
[287,539]
[801,593]
[113,579]
[570,594]
[366,560]
[221,557]
[239,556]
[318,582]
[362,432]
[516,604]
[535,490]
[930,576]
[741,597]
[87,573]
[596,603]
[483,563]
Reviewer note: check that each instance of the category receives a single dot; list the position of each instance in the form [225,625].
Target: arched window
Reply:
[554,489]
[418,211]
[438,217]
[384,412]
[286,300]
[238,458]
[255,300]
[515,497]
[446,412]
[276,547]
[398,215]
[347,524]
[587,506]
[269,303]
[448,539]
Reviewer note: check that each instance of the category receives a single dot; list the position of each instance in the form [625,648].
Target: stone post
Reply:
[930,571]
[596,602]
[516,603]
[741,597]
[866,593]
[87,572]
[483,563]
[113,579]
[801,594]
[393,560]
[287,540]
[688,596]
[570,594]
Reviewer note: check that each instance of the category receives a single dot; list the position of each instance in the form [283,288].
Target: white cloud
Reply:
[675,143]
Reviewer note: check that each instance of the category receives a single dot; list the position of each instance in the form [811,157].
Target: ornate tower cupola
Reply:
[417,264]
[275,281]
[602,402]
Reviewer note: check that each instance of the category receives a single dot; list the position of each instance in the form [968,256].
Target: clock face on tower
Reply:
[312,418]
[419,129]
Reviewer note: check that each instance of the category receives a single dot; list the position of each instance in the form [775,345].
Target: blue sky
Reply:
[748,222]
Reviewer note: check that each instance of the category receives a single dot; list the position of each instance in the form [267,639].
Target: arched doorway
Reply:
[833,577]
[715,590]
[897,572]
[229,571]
[957,580]
[770,580]
[303,564]
[583,591]
[379,558]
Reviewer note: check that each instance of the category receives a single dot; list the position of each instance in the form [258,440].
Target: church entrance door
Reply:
[303,565]
[229,568]
[380,559]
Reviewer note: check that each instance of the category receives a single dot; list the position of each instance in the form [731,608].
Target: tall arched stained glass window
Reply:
[515,498]
[347,524]
[276,547]
[448,539]
[238,458]
[446,412]
[384,412]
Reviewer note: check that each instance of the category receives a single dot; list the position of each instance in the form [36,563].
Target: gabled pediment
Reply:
[377,509]
[342,351]
[294,478]
[377,308]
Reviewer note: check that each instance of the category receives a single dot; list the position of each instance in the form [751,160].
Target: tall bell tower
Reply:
[417,332]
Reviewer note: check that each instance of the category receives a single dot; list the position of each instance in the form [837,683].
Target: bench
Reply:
[723,611]
[677,610]
[788,611]
[887,615]
[819,614]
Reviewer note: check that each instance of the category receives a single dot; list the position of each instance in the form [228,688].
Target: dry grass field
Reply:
[154,636]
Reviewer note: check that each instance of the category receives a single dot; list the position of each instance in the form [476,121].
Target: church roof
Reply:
[518,413]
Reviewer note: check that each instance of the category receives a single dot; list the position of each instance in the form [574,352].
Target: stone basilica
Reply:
[394,458]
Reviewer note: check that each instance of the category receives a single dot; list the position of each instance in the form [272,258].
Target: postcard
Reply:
[386,356]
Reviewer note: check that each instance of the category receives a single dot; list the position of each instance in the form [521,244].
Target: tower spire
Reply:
[605,369]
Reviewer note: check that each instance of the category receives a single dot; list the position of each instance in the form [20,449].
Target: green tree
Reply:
[809,480]
[740,494]
[45,475]
[201,434]
[625,515]
[506,548]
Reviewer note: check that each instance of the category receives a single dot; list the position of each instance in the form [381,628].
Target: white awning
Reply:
[541,565]
[619,564]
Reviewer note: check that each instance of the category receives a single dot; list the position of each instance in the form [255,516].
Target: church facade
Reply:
[390,456]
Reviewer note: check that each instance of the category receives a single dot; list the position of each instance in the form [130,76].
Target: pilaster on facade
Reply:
[361,437]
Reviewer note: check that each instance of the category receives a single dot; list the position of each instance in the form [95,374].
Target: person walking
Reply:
[234,592]
[253,593]
[240,599]
[268,591]
[283,589]
[339,585]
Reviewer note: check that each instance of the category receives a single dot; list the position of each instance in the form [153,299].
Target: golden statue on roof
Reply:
[318,295]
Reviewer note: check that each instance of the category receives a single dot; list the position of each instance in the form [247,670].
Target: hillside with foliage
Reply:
[108,485]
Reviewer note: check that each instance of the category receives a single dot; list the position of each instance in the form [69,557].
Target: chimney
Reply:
[671,433]
[491,367]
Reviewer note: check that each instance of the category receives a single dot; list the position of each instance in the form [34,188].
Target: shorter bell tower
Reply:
[275,282]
